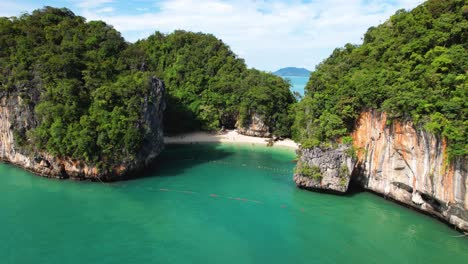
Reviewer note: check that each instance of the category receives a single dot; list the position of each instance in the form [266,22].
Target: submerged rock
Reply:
[18,116]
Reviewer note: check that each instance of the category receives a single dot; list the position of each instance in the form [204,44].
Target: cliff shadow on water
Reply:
[178,158]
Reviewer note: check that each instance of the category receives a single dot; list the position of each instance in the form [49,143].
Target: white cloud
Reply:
[105,10]
[92,3]
[269,34]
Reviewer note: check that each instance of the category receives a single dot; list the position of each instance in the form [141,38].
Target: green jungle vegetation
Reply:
[86,84]
[414,67]
[209,86]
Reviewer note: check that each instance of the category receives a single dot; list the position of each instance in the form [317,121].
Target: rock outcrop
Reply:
[408,165]
[255,127]
[331,168]
[18,116]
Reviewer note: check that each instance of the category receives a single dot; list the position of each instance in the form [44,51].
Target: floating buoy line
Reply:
[234,164]
[210,195]
[275,172]
[218,196]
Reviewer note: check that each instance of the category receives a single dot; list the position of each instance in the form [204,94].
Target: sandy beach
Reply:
[231,136]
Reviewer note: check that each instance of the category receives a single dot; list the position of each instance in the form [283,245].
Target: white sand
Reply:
[231,136]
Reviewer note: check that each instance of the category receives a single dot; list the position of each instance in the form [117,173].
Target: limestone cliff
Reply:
[409,165]
[255,127]
[18,116]
[333,167]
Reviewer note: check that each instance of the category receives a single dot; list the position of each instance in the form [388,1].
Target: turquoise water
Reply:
[211,204]
[298,83]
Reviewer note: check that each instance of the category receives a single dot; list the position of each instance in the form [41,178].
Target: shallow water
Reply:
[211,204]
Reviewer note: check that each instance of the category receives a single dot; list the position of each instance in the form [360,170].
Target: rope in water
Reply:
[234,164]
[211,195]
[224,196]
[276,172]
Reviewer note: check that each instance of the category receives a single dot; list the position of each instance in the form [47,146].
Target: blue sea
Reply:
[298,83]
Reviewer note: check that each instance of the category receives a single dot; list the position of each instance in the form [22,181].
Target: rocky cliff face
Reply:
[255,128]
[409,166]
[17,117]
[327,169]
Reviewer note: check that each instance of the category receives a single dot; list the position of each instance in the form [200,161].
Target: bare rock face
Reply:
[17,116]
[410,165]
[326,169]
[256,127]
[401,162]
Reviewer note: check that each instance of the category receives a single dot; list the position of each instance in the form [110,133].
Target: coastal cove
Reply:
[175,149]
[206,203]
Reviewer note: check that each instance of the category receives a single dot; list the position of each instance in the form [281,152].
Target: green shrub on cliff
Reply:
[344,171]
[305,170]
[413,66]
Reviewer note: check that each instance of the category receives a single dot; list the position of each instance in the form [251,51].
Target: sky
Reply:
[268,34]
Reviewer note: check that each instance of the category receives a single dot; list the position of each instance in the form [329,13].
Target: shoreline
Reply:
[230,136]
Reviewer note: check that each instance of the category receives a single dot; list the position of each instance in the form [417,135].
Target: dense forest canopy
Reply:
[414,67]
[86,84]
[208,85]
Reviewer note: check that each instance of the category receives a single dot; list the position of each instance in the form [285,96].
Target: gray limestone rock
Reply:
[332,168]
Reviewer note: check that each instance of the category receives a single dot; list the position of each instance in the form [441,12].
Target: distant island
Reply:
[292,71]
